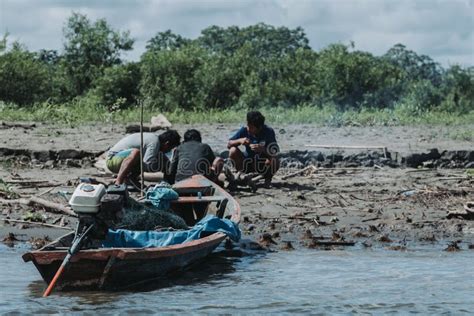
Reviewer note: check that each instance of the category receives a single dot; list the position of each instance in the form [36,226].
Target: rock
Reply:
[49,164]
[37,243]
[10,238]
[384,238]
[397,248]
[415,160]
[308,235]
[251,227]
[266,240]
[72,163]
[287,246]
[159,122]
[43,155]
[453,247]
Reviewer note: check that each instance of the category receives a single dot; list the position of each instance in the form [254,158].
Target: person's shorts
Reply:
[114,162]
[254,163]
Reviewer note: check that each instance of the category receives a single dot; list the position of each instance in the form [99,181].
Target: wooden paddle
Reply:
[75,247]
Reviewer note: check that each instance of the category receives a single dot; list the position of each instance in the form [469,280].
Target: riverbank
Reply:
[323,208]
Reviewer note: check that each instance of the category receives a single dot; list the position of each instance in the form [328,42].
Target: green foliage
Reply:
[265,40]
[166,41]
[23,78]
[416,67]
[89,49]
[458,88]
[33,217]
[226,71]
[465,135]
[168,77]
[86,110]
[118,87]
[6,190]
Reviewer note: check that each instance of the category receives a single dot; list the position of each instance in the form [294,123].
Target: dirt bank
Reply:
[372,204]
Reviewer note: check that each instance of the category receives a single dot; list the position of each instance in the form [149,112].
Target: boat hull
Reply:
[118,268]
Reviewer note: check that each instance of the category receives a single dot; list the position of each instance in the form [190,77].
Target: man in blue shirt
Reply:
[261,148]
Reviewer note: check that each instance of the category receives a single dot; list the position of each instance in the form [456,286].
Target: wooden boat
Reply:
[115,268]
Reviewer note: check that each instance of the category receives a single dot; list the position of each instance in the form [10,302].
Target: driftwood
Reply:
[51,206]
[25,181]
[34,223]
[33,183]
[467,213]
[332,243]
[420,170]
[296,173]
[370,219]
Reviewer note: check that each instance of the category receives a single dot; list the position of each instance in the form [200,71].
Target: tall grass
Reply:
[85,111]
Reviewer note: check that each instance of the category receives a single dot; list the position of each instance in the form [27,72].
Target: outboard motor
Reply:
[98,207]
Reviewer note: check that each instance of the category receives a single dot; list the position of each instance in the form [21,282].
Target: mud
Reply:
[361,197]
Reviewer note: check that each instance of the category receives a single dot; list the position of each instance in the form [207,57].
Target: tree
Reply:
[89,49]
[169,77]
[265,40]
[166,41]
[416,67]
[118,87]
[23,78]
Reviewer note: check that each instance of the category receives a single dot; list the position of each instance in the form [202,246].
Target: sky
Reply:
[442,29]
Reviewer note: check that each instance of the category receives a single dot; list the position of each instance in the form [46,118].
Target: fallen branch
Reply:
[34,223]
[332,243]
[46,191]
[33,183]
[420,170]
[311,167]
[17,181]
[370,219]
[51,206]
[452,178]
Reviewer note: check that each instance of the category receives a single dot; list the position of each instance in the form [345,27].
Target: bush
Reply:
[118,88]
[24,79]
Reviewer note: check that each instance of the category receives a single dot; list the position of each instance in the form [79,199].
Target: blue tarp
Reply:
[122,238]
[161,196]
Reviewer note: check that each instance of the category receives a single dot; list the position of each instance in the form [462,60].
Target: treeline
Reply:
[248,67]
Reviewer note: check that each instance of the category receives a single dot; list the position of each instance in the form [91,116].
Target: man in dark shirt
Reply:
[261,148]
[124,157]
[193,157]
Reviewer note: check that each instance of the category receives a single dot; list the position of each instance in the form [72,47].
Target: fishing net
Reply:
[139,216]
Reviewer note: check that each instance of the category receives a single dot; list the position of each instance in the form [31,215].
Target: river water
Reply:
[427,281]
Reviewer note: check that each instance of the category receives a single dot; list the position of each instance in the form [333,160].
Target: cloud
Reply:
[442,29]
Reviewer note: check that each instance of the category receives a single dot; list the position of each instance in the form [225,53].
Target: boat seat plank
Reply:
[195,199]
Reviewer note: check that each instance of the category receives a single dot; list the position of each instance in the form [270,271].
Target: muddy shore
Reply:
[352,195]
